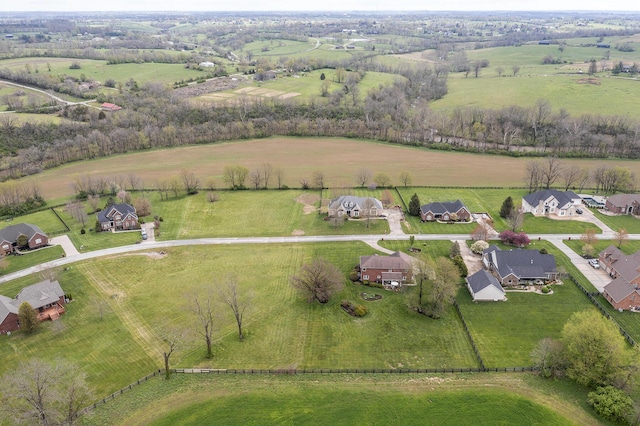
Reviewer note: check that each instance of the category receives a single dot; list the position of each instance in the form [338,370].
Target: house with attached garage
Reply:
[9,237]
[47,298]
[446,211]
[352,206]
[484,287]
[397,267]
[623,292]
[118,217]
[624,204]
[551,202]
[519,266]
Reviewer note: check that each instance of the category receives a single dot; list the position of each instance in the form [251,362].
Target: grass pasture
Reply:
[348,399]
[337,158]
[628,222]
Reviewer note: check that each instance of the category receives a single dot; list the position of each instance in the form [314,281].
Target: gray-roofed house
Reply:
[396,267]
[46,297]
[623,292]
[444,211]
[484,287]
[551,202]
[519,266]
[624,204]
[118,217]
[9,237]
[352,206]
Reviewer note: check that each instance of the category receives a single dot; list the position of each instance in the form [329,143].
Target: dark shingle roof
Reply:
[124,209]
[442,207]
[624,200]
[522,263]
[11,233]
[481,280]
[40,294]
[563,198]
[6,307]
[618,289]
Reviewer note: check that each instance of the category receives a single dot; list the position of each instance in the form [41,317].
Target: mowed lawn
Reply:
[252,214]
[488,399]
[338,158]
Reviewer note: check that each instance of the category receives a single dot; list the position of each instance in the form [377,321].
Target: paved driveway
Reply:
[597,277]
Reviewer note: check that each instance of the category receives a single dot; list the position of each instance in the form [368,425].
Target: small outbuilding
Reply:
[484,287]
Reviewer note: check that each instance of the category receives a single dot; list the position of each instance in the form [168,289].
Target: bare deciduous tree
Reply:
[229,295]
[589,236]
[405,178]
[318,280]
[621,237]
[382,180]
[318,179]
[190,182]
[551,171]
[267,170]
[203,309]
[134,181]
[533,175]
[212,197]
[255,178]
[363,176]
[515,219]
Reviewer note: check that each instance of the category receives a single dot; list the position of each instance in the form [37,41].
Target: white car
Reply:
[594,263]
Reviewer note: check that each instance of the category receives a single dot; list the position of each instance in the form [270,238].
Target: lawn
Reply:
[45,220]
[506,332]
[348,399]
[15,263]
[252,214]
[628,222]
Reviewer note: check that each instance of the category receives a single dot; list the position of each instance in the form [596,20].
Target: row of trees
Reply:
[544,173]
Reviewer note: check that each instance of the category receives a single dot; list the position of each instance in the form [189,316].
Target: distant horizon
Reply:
[324,6]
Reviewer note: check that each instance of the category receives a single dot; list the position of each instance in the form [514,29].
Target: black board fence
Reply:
[468,333]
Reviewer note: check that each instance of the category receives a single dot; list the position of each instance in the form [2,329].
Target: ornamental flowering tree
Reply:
[519,239]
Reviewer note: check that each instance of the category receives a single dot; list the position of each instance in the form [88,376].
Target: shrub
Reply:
[545,289]
[353,276]
[611,403]
[479,246]
[82,231]
[462,267]
[361,310]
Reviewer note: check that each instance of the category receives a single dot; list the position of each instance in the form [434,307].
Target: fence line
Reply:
[121,391]
[295,371]
[406,209]
[468,333]
[592,297]
[60,219]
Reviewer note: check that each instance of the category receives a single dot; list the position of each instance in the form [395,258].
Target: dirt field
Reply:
[339,159]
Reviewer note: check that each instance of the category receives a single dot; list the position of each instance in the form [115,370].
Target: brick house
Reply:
[623,292]
[397,267]
[624,204]
[118,217]
[9,237]
[519,266]
[443,211]
[47,298]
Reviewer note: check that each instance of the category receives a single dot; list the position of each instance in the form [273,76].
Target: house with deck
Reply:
[519,266]
[11,235]
[397,267]
[118,217]
[47,298]
[551,202]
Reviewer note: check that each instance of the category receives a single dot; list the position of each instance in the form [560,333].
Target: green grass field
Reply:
[630,223]
[348,399]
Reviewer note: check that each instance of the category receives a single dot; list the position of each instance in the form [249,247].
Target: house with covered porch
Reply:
[519,266]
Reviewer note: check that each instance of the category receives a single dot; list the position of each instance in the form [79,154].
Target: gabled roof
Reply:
[124,209]
[624,200]
[627,266]
[351,202]
[6,308]
[110,106]
[619,288]
[40,294]
[564,198]
[442,207]
[395,261]
[521,263]
[11,233]
[481,280]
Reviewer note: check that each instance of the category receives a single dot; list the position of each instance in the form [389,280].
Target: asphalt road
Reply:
[597,277]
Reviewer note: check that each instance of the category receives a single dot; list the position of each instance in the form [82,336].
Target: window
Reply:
[365,277]
[38,240]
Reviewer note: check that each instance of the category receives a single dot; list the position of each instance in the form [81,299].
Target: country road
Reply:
[556,239]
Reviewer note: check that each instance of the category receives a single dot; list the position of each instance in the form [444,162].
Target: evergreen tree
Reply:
[28,318]
[414,205]
[507,208]
[454,250]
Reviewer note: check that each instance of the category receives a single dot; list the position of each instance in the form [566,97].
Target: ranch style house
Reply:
[519,266]
[444,211]
[46,297]
[624,204]
[352,206]
[623,291]
[551,202]
[118,217]
[397,267]
[9,237]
